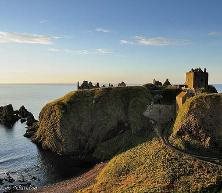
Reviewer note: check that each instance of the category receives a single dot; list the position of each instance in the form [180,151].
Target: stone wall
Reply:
[160,113]
[197,79]
[190,79]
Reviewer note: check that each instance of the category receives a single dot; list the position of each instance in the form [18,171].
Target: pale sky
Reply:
[54,41]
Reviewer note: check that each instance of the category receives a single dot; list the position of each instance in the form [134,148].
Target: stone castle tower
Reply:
[196,79]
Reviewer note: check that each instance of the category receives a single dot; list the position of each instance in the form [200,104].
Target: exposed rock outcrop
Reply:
[8,116]
[199,124]
[23,112]
[31,130]
[26,116]
[84,121]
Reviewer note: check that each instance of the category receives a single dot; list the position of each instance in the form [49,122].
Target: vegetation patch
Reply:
[198,124]
[153,167]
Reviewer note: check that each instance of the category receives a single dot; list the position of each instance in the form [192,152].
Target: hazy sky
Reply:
[109,40]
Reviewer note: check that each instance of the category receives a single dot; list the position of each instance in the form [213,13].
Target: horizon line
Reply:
[69,83]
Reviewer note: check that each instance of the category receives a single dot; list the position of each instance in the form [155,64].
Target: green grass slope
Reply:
[153,167]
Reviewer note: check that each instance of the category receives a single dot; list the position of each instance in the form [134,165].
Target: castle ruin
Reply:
[162,110]
[197,79]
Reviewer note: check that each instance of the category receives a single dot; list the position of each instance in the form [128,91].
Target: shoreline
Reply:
[71,185]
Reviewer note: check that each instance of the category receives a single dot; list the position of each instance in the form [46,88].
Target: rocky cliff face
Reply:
[155,167]
[199,124]
[81,122]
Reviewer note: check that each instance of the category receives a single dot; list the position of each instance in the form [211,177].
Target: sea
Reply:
[19,157]
[218,87]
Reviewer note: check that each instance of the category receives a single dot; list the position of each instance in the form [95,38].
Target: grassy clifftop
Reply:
[152,167]
[198,124]
[83,122]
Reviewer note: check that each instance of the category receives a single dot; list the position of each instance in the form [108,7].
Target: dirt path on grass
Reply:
[164,136]
[74,184]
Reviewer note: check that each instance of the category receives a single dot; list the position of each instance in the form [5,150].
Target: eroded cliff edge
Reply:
[109,122]
[155,166]
[96,123]
[198,126]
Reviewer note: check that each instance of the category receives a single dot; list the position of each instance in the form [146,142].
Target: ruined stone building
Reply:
[87,85]
[167,101]
[122,84]
[197,79]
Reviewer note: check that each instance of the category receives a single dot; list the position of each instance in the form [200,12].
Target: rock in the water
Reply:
[8,178]
[1,181]
[30,120]
[23,112]
[8,117]
[31,130]
[84,120]
[26,116]
[22,120]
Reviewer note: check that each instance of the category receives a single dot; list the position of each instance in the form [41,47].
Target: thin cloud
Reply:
[82,52]
[100,51]
[58,37]
[102,30]
[155,41]
[126,42]
[70,51]
[21,38]
[103,51]
[79,52]
[215,33]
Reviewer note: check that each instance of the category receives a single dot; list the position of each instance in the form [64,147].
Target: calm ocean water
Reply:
[18,155]
[218,87]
